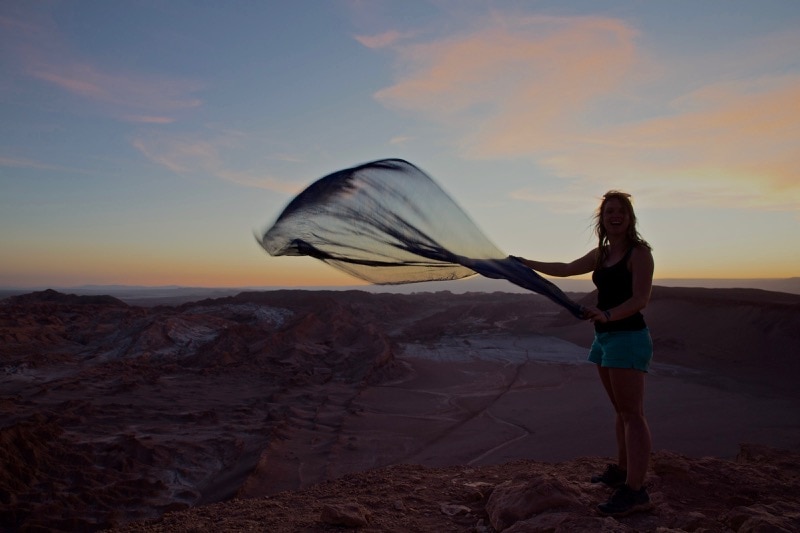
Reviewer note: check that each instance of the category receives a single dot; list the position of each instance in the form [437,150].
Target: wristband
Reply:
[608,315]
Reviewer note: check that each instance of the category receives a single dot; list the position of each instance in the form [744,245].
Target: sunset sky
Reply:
[144,142]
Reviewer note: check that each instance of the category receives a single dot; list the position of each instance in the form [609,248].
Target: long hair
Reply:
[602,237]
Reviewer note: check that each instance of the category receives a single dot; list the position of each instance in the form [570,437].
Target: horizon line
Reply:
[355,286]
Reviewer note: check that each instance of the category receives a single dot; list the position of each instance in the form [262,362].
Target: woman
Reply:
[622,270]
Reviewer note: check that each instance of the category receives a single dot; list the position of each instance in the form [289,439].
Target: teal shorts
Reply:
[622,349]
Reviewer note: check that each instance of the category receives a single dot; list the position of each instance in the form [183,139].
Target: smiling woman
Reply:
[622,270]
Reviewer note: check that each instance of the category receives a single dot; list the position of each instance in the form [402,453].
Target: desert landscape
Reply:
[298,410]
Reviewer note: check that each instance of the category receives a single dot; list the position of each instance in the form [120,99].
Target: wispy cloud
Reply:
[259,181]
[382,40]
[125,94]
[399,140]
[559,91]
[148,120]
[119,91]
[17,162]
[178,155]
[190,155]
[726,144]
[516,83]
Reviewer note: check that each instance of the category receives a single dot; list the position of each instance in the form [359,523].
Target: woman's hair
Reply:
[600,230]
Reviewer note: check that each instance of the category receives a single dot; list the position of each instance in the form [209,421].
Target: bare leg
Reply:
[627,386]
[622,455]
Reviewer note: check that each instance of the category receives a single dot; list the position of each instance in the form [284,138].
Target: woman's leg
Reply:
[627,387]
[622,455]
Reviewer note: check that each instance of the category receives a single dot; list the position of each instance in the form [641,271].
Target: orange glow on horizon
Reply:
[299,272]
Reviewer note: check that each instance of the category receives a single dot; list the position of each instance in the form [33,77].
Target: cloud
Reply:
[382,40]
[41,53]
[564,92]
[259,181]
[400,140]
[181,156]
[122,90]
[148,120]
[18,162]
[731,144]
[190,155]
[515,83]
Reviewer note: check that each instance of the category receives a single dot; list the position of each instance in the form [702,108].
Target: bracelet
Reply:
[608,315]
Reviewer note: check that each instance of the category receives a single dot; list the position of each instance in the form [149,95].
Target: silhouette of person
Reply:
[622,269]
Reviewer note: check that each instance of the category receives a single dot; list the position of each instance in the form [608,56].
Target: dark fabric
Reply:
[614,286]
[387,222]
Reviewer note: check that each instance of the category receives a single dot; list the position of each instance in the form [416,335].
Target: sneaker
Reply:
[614,476]
[625,501]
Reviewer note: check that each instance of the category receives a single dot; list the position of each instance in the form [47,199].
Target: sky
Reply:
[146,142]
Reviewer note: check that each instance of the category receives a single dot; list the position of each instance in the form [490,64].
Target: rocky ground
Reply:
[759,491]
[313,411]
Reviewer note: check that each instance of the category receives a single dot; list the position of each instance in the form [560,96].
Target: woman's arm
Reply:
[581,265]
[642,267]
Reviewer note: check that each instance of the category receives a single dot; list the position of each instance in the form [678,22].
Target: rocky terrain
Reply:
[757,492]
[315,410]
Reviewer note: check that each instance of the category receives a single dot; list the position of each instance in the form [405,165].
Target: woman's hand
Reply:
[596,315]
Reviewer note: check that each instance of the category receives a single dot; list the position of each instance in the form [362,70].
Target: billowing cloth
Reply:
[387,222]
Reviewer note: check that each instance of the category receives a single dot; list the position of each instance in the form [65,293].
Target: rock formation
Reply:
[302,410]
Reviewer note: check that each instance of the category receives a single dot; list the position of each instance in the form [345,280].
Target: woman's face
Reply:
[615,217]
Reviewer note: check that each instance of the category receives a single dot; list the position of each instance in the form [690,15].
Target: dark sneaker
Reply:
[625,501]
[614,476]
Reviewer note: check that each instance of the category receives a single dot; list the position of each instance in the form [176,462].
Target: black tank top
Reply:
[615,285]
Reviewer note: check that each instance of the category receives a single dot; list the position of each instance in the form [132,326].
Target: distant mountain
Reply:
[175,295]
[50,296]
[139,295]
[790,285]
